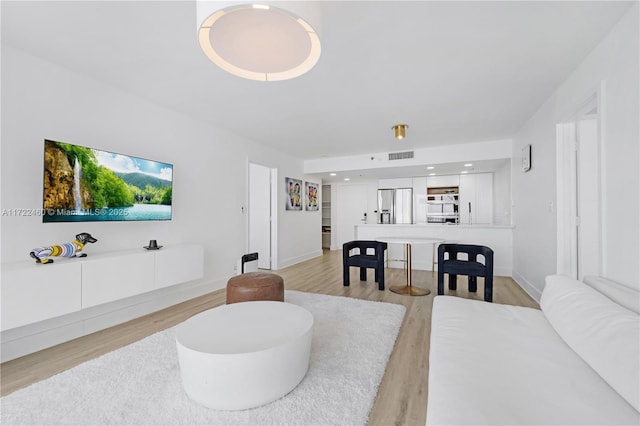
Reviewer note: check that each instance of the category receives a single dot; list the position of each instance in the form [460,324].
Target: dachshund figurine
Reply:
[42,254]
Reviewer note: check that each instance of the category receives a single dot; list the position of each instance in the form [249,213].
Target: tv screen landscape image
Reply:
[86,185]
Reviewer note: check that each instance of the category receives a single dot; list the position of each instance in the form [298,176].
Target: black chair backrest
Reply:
[471,250]
[363,245]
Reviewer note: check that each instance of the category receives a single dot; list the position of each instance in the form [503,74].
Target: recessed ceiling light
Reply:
[464,171]
[430,167]
[432,174]
[468,165]
[332,174]
[346,178]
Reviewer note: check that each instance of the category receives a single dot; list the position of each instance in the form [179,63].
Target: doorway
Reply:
[351,207]
[579,192]
[261,232]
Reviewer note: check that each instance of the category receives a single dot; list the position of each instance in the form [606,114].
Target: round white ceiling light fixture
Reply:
[266,41]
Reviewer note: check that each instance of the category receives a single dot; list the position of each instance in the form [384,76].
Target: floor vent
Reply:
[400,155]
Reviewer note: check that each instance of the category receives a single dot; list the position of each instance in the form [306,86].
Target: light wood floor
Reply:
[402,397]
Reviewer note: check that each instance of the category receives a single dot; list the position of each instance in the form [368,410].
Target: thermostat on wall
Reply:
[526,158]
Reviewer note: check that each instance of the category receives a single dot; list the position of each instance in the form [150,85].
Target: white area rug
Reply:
[140,384]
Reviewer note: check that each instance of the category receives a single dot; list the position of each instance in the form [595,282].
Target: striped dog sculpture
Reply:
[42,254]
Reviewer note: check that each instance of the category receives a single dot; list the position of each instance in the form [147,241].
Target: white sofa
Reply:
[574,362]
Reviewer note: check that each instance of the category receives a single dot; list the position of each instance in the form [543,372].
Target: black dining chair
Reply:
[370,254]
[454,266]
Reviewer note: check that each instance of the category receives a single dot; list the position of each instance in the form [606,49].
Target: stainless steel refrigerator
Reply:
[395,205]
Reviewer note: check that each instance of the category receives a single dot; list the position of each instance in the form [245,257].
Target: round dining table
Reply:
[408,289]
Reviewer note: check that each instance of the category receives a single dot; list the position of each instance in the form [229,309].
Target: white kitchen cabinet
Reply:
[420,200]
[443,181]
[467,191]
[395,183]
[484,198]
[476,198]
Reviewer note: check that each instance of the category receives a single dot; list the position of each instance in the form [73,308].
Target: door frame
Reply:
[338,223]
[273,213]
[568,189]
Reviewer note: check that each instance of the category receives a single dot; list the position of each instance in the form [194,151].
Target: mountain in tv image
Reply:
[84,184]
[141,180]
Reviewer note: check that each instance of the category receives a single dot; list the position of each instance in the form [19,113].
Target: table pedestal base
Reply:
[411,291]
[407,289]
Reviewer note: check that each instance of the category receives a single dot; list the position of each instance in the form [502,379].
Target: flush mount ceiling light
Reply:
[269,41]
[400,131]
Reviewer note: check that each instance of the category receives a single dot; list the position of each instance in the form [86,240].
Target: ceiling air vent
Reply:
[400,155]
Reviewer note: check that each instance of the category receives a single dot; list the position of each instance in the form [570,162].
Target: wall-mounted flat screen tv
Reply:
[87,185]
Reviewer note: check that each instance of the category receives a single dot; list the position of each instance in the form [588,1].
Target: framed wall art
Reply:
[293,189]
[311,196]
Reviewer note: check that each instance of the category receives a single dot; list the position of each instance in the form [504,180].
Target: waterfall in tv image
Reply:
[86,185]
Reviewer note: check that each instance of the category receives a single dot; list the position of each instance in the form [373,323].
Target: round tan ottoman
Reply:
[255,286]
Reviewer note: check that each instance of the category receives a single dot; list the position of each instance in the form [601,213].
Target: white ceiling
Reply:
[454,71]
[440,169]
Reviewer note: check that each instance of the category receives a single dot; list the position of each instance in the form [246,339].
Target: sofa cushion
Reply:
[622,295]
[604,334]
[496,364]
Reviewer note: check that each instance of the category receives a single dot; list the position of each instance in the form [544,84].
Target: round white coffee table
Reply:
[244,355]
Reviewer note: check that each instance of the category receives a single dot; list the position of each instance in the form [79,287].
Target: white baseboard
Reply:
[530,289]
[31,338]
[284,263]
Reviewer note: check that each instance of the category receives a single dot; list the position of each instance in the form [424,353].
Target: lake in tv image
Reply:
[83,184]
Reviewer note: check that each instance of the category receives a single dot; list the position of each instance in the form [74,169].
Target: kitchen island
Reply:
[497,237]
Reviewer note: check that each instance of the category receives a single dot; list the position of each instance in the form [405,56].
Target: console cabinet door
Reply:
[32,293]
[110,278]
[179,264]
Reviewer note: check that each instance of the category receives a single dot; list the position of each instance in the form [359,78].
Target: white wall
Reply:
[502,195]
[42,100]
[614,61]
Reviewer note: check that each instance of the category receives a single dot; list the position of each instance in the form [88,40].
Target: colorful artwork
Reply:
[293,188]
[311,190]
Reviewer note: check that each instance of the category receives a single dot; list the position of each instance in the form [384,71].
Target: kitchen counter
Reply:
[438,225]
[498,237]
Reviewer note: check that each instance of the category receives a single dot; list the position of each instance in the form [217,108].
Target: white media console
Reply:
[43,305]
